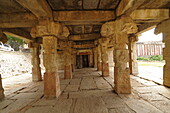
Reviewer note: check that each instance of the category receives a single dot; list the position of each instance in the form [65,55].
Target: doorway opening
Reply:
[85,61]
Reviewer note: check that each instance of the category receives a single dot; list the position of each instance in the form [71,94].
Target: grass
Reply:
[155,64]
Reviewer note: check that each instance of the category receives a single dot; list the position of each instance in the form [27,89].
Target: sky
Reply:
[150,36]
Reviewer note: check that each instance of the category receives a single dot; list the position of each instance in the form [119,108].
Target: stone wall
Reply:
[14,63]
[17,63]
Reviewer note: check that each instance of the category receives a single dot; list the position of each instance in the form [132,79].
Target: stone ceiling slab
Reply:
[10,6]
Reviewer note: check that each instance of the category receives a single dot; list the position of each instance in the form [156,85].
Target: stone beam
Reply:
[83,16]
[83,46]
[145,14]
[145,27]
[17,20]
[18,33]
[128,6]
[84,37]
[39,8]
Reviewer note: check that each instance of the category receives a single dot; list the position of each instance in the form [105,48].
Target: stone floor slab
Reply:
[72,88]
[141,106]
[87,83]
[90,105]
[101,83]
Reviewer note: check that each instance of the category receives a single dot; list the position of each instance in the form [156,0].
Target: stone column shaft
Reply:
[95,57]
[166,57]
[164,27]
[73,62]
[99,60]
[1,89]
[68,66]
[36,69]
[105,63]
[90,60]
[133,64]
[51,78]
[119,31]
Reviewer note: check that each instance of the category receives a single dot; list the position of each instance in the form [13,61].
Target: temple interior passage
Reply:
[87,92]
[83,55]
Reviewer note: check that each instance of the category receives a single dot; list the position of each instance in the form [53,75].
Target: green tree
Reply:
[15,43]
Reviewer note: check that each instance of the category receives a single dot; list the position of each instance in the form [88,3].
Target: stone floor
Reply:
[88,92]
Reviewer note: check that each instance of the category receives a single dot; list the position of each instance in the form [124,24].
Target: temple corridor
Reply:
[86,92]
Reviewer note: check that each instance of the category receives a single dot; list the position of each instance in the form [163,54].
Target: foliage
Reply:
[151,58]
[156,58]
[142,58]
[15,43]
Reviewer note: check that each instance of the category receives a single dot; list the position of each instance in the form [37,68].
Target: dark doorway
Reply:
[85,61]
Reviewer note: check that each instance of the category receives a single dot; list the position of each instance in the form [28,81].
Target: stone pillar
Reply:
[90,60]
[99,60]
[68,66]
[50,31]
[51,78]
[164,27]
[36,69]
[73,61]
[95,57]
[1,89]
[133,64]
[120,29]
[104,54]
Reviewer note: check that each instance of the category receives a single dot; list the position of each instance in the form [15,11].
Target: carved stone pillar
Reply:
[72,61]
[36,69]
[133,64]
[1,89]
[95,57]
[164,27]
[50,31]
[104,54]
[90,60]
[99,60]
[68,66]
[51,78]
[120,29]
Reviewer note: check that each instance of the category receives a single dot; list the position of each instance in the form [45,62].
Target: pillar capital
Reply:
[48,28]
[133,38]
[124,24]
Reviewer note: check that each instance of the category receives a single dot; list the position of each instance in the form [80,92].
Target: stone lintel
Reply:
[40,8]
[76,16]
[128,6]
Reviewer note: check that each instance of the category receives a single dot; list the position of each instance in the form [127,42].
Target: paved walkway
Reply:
[88,92]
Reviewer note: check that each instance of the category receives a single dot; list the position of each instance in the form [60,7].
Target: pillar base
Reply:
[105,70]
[73,68]
[122,82]
[51,85]
[99,66]
[68,72]
[2,93]
[166,77]
[36,75]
